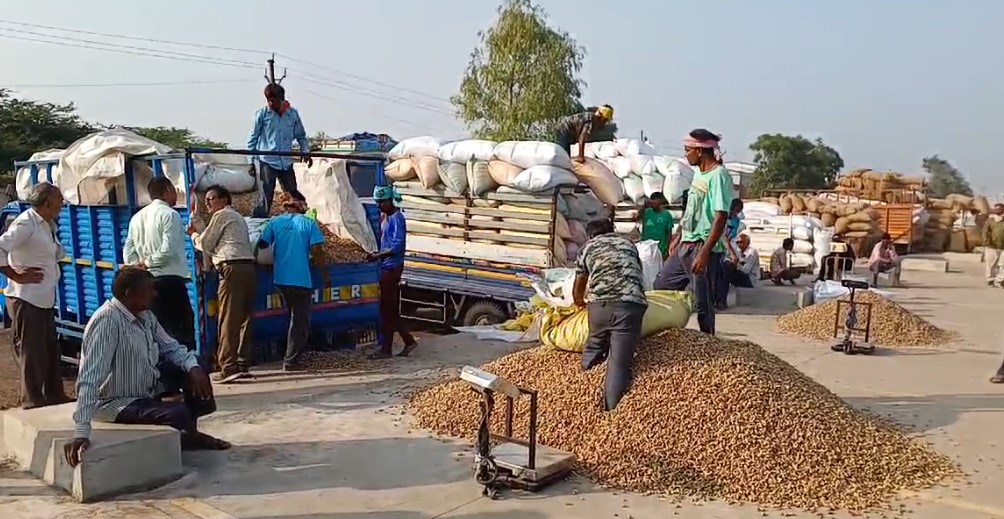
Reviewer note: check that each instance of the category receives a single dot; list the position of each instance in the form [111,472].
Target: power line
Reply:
[378,95]
[232,49]
[380,114]
[160,83]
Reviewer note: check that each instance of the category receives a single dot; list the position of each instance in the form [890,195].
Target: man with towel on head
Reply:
[391,257]
[695,261]
[577,129]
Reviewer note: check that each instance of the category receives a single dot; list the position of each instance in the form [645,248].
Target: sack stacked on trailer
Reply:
[640,170]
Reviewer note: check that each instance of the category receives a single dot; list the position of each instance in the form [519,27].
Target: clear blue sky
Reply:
[884,82]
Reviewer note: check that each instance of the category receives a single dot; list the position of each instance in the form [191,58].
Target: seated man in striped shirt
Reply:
[129,364]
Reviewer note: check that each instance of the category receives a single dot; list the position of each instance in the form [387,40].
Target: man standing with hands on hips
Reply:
[29,256]
[276,126]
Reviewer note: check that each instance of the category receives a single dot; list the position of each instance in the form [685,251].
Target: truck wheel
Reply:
[485,313]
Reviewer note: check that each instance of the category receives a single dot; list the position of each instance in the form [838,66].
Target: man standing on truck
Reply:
[657,222]
[275,127]
[29,256]
[577,129]
[608,282]
[695,261]
[156,242]
[226,241]
[391,257]
[296,242]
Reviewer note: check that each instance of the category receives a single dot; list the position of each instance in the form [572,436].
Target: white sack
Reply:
[678,177]
[764,208]
[802,260]
[634,189]
[802,247]
[596,150]
[631,147]
[801,233]
[326,187]
[543,178]
[822,239]
[582,206]
[415,147]
[625,227]
[256,226]
[527,154]
[652,183]
[463,151]
[229,171]
[621,166]
[651,261]
[642,164]
[453,175]
[22,182]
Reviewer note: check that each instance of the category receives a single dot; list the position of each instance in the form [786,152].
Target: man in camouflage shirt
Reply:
[609,267]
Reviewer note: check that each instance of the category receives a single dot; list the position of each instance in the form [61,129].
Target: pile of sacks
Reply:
[886,186]
[449,174]
[768,227]
[944,229]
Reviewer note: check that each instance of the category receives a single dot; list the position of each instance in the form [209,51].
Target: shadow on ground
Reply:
[924,413]
[522,514]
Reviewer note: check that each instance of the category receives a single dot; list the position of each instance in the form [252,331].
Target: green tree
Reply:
[317,140]
[944,179]
[522,78]
[786,162]
[177,138]
[28,126]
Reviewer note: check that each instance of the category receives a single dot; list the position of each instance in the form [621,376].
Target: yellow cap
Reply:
[605,112]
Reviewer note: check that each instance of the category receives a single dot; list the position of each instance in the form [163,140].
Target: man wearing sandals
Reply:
[391,257]
[132,371]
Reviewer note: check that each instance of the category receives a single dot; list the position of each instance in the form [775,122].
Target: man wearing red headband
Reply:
[696,254]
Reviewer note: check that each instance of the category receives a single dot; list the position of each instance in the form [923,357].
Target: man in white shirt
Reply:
[156,241]
[29,255]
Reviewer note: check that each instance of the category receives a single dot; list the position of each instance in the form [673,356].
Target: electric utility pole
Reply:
[270,72]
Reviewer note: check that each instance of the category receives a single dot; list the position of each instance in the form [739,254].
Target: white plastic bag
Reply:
[463,151]
[555,287]
[634,189]
[651,261]
[543,178]
[527,154]
[424,146]
[327,189]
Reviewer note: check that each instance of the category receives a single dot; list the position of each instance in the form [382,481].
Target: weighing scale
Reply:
[849,345]
[513,463]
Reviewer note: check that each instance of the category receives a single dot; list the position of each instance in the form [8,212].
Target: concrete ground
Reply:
[338,446]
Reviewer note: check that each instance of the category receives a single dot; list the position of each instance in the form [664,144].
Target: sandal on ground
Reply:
[408,348]
[203,442]
[998,379]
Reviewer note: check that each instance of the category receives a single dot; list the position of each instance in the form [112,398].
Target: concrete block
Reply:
[122,458]
[974,257]
[925,264]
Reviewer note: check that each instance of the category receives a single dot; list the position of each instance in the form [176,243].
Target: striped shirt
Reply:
[118,363]
[226,238]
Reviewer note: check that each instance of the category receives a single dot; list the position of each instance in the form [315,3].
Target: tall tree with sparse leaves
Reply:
[944,179]
[786,162]
[522,78]
[28,126]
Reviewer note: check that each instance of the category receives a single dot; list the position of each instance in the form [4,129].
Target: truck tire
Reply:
[484,313]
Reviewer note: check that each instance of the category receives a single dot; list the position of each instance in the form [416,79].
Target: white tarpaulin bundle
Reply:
[22,181]
[326,187]
[219,169]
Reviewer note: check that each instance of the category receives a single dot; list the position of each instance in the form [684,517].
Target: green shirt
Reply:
[657,225]
[710,193]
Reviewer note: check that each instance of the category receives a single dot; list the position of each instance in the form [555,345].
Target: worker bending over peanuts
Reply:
[608,282]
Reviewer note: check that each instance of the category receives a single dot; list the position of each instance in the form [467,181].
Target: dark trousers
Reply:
[298,301]
[238,286]
[36,353]
[182,416]
[268,176]
[614,334]
[390,310]
[833,262]
[678,274]
[729,276]
[173,309]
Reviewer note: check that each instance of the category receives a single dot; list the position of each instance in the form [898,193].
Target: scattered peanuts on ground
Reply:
[705,417]
[335,361]
[891,324]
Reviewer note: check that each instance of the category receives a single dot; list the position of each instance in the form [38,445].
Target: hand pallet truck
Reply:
[849,345]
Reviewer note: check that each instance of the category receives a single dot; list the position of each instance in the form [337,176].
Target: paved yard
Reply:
[338,446]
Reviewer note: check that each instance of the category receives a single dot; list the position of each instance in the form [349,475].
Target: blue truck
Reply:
[345,313]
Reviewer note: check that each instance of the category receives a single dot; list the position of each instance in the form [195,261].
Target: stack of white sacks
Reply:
[768,227]
[621,172]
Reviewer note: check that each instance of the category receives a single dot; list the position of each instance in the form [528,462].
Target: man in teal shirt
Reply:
[694,263]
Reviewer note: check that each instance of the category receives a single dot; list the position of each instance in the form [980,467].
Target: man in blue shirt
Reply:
[296,241]
[275,128]
[391,258]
